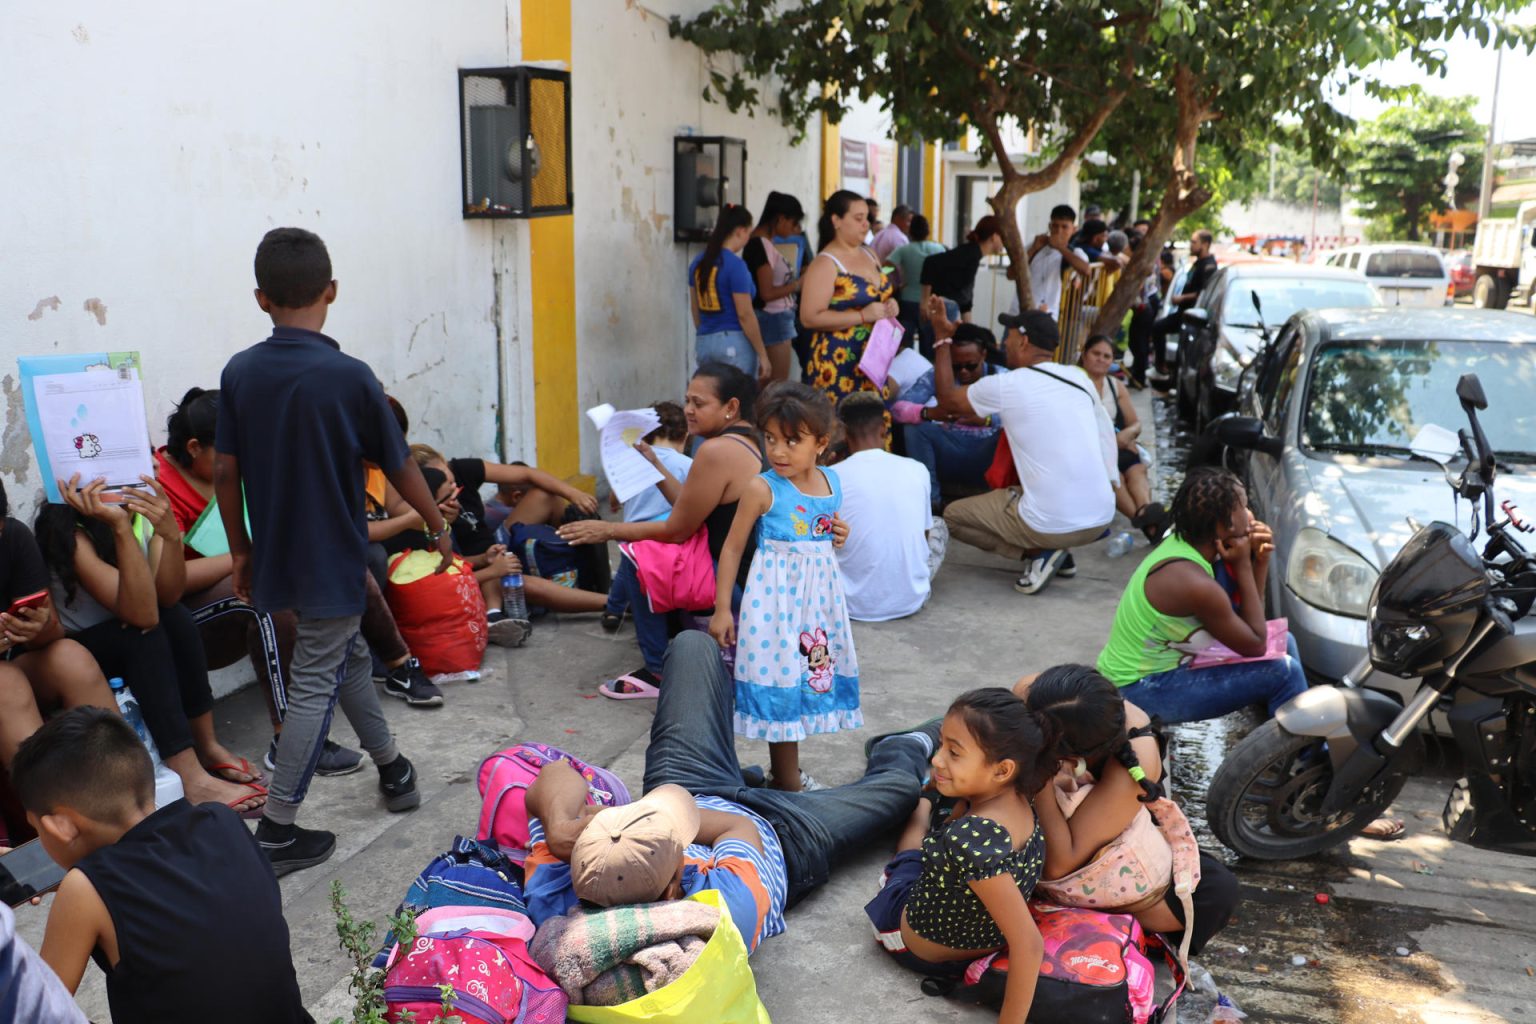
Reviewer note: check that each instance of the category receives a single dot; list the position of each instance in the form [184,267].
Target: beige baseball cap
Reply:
[630,854]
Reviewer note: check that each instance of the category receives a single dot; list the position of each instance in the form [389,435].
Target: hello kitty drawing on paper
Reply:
[88,445]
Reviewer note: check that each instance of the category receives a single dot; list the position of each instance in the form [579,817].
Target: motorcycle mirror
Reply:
[1258,307]
[1435,443]
[1470,390]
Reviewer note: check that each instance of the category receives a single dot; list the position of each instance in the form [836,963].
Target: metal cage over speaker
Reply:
[515,141]
[708,172]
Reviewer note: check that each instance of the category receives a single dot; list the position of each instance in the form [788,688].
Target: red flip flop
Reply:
[640,689]
[242,766]
[251,813]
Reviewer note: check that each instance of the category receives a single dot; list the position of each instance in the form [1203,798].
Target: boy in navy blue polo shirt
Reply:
[296,420]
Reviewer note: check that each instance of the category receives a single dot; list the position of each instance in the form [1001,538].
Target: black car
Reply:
[1225,328]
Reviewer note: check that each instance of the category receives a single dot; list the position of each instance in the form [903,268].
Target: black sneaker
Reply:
[335,759]
[291,848]
[1068,567]
[408,682]
[504,631]
[397,781]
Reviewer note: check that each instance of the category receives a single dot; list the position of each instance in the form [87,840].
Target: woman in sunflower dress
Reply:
[843,296]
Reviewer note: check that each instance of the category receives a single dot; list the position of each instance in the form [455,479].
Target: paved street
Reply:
[1466,917]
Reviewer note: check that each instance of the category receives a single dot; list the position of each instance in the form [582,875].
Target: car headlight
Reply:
[1328,575]
[1227,365]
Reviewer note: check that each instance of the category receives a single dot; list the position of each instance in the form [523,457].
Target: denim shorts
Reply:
[727,347]
[884,912]
[776,328]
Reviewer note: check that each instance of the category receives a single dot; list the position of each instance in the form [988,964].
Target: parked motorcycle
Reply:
[1334,758]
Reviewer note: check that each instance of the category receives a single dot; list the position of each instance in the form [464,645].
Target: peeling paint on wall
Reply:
[16,452]
[98,309]
[51,302]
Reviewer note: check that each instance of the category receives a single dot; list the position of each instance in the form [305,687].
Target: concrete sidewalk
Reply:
[1470,925]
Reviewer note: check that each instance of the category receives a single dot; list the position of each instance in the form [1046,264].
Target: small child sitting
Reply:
[177,906]
[664,448]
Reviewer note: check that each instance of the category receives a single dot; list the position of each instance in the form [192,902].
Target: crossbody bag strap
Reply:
[1063,380]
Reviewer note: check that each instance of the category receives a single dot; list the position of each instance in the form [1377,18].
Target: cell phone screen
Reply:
[27,871]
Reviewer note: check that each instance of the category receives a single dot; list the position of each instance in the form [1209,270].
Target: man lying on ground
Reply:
[699,826]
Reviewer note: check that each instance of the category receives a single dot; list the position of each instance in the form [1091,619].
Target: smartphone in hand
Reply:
[27,871]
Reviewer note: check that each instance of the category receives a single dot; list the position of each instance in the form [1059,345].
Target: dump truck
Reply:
[1504,260]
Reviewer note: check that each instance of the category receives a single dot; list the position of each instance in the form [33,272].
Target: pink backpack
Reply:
[482,954]
[504,780]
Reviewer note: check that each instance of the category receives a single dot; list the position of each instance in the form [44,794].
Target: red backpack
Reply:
[504,780]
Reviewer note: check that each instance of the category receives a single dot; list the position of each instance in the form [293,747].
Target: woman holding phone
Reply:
[39,669]
[118,575]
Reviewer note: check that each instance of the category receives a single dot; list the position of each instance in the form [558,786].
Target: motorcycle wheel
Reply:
[1264,801]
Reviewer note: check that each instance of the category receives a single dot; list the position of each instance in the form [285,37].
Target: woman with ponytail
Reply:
[1109,815]
[844,294]
[720,294]
[959,885]
[952,275]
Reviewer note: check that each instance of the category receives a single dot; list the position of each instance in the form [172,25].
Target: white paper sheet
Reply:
[93,423]
[628,471]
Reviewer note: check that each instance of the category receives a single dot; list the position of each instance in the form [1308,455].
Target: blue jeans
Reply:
[651,628]
[953,455]
[726,347]
[618,590]
[693,745]
[1197,694]
[776,328]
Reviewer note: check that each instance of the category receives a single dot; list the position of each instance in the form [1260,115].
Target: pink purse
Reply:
[1156,850]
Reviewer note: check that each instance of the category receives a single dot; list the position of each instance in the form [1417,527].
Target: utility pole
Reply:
[1274,147]
[1485,199]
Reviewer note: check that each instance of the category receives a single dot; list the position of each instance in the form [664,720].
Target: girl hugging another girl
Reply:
[959,885]
[1109,815]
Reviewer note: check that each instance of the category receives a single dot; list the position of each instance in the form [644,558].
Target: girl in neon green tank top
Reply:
[1173,608]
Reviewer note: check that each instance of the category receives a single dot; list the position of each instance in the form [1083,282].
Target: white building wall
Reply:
[633,90]
[149,147]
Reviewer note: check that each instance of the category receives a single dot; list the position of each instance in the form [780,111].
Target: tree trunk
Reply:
[1182,195]
[1017,184]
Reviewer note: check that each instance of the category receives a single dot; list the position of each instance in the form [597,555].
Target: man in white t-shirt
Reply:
[1047,253]
[1063,447]
[894,546]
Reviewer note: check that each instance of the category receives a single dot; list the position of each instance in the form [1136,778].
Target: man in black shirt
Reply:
[1200,276]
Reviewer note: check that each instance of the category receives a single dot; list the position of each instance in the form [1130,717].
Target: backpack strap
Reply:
[1175,829]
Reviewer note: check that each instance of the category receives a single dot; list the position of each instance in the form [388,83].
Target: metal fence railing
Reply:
[1081,299]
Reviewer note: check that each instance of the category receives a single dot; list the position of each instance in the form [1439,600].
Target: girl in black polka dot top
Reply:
[957,890]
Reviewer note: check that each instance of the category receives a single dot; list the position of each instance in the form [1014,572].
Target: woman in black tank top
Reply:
[718,408]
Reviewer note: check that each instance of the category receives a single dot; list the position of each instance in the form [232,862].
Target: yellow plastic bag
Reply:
[718,988]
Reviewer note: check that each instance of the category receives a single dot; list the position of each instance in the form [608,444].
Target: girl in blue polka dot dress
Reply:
[796,671]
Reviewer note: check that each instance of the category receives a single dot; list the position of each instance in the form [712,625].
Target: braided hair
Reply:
[1207,498]
[1088,714]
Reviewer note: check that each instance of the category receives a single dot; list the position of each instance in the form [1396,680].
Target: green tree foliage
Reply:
[1145,80]
[1398,162]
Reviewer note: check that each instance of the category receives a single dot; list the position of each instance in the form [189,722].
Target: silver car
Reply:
[1323,428]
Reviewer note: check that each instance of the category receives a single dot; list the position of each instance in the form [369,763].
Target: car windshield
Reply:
[1372,397]
[1282,296]
[1404,264]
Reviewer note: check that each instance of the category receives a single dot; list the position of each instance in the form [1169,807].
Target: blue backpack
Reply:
[473,873]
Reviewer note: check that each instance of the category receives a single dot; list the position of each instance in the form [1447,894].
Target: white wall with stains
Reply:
[148,148]
[634,89]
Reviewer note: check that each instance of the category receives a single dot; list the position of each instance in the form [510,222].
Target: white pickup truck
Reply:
[1504,254]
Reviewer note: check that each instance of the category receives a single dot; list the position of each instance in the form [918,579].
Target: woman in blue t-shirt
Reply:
[720,292]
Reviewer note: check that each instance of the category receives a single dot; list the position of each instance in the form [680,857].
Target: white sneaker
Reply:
[938,544]
[1039,572]
[807,783]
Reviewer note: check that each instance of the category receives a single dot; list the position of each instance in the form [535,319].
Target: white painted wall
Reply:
[633,89]
[1269,217]
[148,148]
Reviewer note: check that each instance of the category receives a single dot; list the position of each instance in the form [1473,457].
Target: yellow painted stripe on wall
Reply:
[831,158]
[930,186]
[552,280]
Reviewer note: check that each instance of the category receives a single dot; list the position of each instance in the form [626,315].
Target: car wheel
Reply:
[1490,292]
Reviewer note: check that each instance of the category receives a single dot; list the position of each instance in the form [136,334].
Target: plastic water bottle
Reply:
[1120,543]
[168,787]
[513,601]
[129,706]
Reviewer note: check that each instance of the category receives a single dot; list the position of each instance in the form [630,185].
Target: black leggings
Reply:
[164,667]
[1215,898]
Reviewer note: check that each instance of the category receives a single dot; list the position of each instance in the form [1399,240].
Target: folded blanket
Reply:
[608,957]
